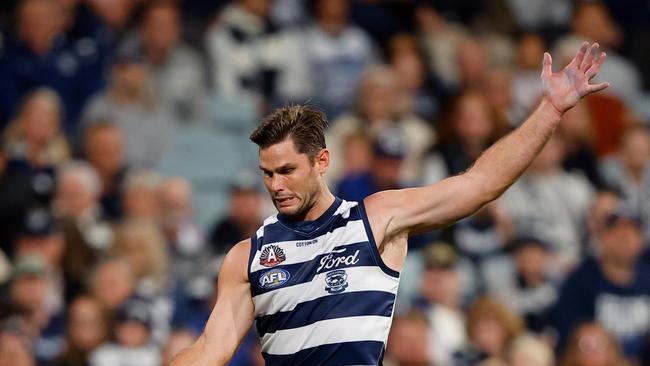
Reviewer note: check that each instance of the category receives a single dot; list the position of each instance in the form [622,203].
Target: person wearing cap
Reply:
[133,343]
[528,289]
[384,172]
[30,291]
[612,288]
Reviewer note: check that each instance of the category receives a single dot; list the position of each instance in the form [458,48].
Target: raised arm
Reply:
[231,317]
[419,209]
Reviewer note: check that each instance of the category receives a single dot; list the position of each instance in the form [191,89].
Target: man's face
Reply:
[531,261]
[105,150]
[292,180]
[161,29]
[622,242]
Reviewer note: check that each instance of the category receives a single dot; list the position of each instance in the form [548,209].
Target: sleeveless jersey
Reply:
[322,294]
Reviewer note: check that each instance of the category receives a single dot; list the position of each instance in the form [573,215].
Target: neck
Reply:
[618,273]
[323,201]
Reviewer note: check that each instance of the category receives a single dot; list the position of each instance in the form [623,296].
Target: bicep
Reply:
[417,210]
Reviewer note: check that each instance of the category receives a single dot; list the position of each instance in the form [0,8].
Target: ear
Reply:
[322,161]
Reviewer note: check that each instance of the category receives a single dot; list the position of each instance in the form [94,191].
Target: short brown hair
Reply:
[304,124]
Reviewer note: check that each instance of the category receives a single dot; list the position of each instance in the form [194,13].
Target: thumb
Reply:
[547,65]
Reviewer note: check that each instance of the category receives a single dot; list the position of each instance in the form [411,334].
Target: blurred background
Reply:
[126,172]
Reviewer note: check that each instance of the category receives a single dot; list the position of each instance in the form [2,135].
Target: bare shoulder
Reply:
[235,263]
[380,208]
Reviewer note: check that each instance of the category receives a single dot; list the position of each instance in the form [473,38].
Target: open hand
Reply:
[564,89]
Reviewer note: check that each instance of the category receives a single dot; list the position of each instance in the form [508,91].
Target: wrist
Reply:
[548,109]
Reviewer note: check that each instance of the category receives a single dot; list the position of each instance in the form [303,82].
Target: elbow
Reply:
[199,354]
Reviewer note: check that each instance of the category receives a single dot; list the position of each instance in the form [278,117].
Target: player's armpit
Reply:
[231,317]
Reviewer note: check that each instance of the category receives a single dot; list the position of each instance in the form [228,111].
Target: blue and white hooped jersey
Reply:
[322,294]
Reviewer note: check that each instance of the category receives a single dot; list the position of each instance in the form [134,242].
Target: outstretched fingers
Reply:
[588,60]
[593,70]
[580,55]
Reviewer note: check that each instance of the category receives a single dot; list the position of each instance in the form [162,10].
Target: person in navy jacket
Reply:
[612,288]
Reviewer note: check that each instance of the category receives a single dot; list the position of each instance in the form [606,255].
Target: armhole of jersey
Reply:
[373,244]
[251,256]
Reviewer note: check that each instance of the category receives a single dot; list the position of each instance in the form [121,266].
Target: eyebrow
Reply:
[280,168]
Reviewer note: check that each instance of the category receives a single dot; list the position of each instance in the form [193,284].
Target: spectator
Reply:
[440,291]
[384,170]
[441,39]
[28,293]
[357,153]
[41,237]
[185,241]
[491,327]
[577,132]
[526,350]
[628,172]
[473,62]
[87,328]
[408,340]
[86,232]
[35,136]
[497,90]
[142,244]
[377,111]
[604,203]
[338,52]
[526,88]
[131,103]
[254,59]
[613,283]
[592,21]
[177,71]
[112,283]
[103,147]
[34,146]
[140,197]
[529,289]
[133,343]
[466,130]
[244,216]
[551,204]
[115,14]
[31,292]
[591,345]
[38,56]
[408,61]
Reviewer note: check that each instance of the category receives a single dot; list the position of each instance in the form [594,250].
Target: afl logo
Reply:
[337,281]
[274,278]
[272,255]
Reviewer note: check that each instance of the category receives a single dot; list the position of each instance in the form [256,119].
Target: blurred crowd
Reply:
[126,175]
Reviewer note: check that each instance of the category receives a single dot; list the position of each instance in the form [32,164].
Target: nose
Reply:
[276,183]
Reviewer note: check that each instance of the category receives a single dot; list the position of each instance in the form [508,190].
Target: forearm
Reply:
[501,164]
